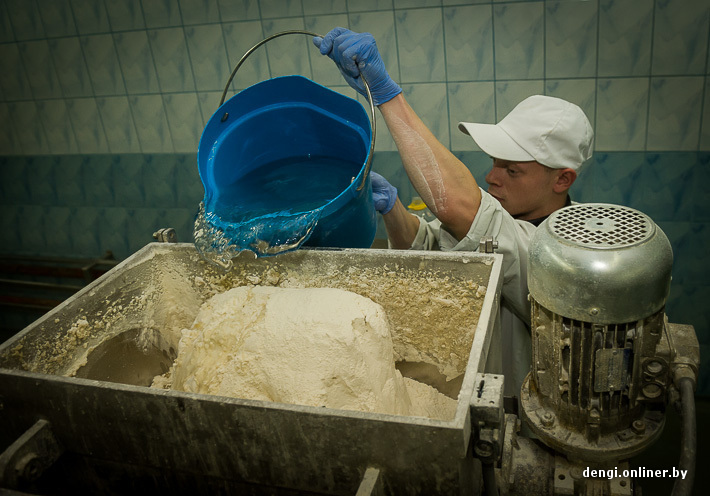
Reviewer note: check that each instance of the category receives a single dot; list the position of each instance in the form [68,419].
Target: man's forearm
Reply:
[444,183]
[402,226]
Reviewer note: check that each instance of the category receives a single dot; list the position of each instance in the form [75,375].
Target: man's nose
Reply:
[492,177]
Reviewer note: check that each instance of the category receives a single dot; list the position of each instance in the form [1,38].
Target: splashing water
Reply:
[269,210]
[220,242]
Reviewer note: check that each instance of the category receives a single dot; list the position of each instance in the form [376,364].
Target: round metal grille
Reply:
[601,225]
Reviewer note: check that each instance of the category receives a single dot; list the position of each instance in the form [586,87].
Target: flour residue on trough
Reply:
[432,309]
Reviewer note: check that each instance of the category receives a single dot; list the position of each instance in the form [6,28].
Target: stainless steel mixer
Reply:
[85,423]
[606,364]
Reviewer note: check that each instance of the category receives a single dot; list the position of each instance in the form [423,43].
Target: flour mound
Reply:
[313,346]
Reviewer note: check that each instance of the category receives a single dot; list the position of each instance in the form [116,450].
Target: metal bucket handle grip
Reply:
[368,163]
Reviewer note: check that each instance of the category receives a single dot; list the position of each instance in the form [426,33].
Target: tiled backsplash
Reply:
[132,76]
[102,104]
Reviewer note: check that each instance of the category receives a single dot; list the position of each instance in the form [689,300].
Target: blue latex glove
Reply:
[383,193]
[355,54]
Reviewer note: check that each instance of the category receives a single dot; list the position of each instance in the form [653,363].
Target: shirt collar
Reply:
[539,220]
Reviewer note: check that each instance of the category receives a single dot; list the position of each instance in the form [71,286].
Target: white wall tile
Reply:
[6,32]
[57,17]
[271,9]
[13,78]
[199,11]
[136,59]
[625,33]
[571,39]
[239,37]
[125,14]
[184,120]
[519,40]
[468,31]
[288,54]
[103,65]
[622,105]
[674,113]
[87,125]
[369,5]
[39,65]
[172,61]
[420,43]
[410,4]
[469,102]
[25,19]
[9,141]
[208,55]
[151,123]
[161,13]
[510,46]
[680,40]
[448,3]
[118,123]
[209,103]
[90,16]
[320,7]
[57,126]
[71,67]
[238,10]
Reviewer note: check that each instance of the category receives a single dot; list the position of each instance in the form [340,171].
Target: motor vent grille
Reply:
[601,225]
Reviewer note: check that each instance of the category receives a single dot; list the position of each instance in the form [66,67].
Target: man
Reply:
[537,150]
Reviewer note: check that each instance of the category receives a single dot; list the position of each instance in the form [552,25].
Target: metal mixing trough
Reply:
[78,416]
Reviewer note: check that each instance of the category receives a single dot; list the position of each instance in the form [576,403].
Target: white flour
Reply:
[307,346]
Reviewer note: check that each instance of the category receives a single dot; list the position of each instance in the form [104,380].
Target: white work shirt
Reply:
[513,237]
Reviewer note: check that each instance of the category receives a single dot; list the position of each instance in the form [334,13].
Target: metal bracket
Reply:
[25,460]
[569,479]
[488,416]
[166,235]
[487,245]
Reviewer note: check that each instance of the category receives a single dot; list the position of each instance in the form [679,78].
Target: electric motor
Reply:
[598,276]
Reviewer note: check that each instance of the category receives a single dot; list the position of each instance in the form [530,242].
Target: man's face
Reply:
[524,189]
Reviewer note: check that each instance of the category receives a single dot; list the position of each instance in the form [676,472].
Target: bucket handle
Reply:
[368,163]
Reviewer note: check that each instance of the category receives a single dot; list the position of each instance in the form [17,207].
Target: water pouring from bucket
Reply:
[285,163]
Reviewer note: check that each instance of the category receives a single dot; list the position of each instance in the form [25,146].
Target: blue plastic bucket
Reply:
[284,164]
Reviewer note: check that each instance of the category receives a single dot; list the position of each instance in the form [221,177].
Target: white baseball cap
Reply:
[548,130]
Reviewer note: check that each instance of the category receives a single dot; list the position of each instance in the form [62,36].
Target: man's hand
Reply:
[384,194]
[356,54]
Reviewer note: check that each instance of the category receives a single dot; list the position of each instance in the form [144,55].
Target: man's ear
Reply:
[565,179]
